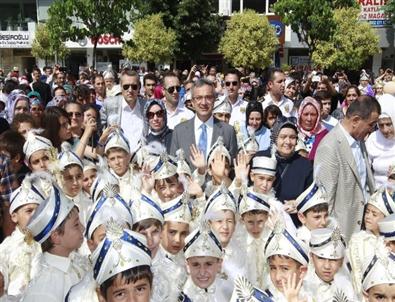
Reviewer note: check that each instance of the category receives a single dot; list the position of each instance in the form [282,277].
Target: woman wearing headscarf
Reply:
[254,126]
[17,102]
[381,143]
[155,123]
[294,173]
[311,130]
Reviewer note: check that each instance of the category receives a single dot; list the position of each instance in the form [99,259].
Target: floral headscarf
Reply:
[318,126]
[12,100]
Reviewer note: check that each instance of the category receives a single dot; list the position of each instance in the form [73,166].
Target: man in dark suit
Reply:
[203,130]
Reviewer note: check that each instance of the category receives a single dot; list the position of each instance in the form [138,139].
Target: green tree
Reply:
[311,20]
[351,44]
[44,47]
[249,40]
[390,9]
[77,19]
[197,26]
[151,42]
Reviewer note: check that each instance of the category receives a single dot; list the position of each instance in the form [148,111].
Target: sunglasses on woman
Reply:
[159,114]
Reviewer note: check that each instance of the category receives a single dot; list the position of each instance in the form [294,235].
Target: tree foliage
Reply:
[77,19]
[351,44]
[44,47]
[152,41]
[390,9]
[197,26]
[311,20]
[249,40]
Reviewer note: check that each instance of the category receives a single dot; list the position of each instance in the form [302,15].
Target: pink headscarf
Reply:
[318,126]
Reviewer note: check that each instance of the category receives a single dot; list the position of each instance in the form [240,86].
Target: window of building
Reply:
[260,6]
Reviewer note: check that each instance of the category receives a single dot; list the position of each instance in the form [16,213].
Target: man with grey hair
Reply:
[203,130]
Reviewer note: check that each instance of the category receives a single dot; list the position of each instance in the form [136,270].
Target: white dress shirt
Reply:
[132,123]
[57,275]
[358,157]
[238,111]
[181,114]
[210,127]
[286,105]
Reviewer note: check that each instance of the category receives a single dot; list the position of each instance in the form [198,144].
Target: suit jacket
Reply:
[112,107]
[184,136]
[336,169]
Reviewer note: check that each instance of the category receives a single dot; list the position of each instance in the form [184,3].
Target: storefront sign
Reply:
[373,12]
[15,39]
[104,41]
[278,27]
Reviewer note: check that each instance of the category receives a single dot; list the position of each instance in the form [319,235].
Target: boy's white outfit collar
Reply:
[340,288]
[84,291]
[169,278]
[304,234]
[57,273]
[198,294]
[20,261]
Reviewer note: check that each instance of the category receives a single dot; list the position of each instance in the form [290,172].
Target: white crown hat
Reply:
[49,215]
[108,74]
[89,165]
[378,268]
[327,243]
[179,209]
[250,145]
[27,193]
[35,143]
[67,157]
[382,200]
[387,227]
[222,106]
[107,208]
[182,165]
[218,147]
[220,199]
[264,165]
[245,291]
[105,183]
[139,154]
[117,140]
[312,196]
[202,242]
[281,242]
[146,207]
[164,166]
[119,251]
[253,201]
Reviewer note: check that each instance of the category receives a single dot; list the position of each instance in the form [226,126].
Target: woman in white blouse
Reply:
[381,143]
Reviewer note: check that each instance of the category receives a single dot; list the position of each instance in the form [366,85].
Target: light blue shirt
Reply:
[358,157]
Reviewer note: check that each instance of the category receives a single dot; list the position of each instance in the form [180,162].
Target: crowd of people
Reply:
[197,185]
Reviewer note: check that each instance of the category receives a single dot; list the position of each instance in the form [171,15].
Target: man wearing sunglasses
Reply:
[126,109]
[176,112]
[275,96]
[232,86]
